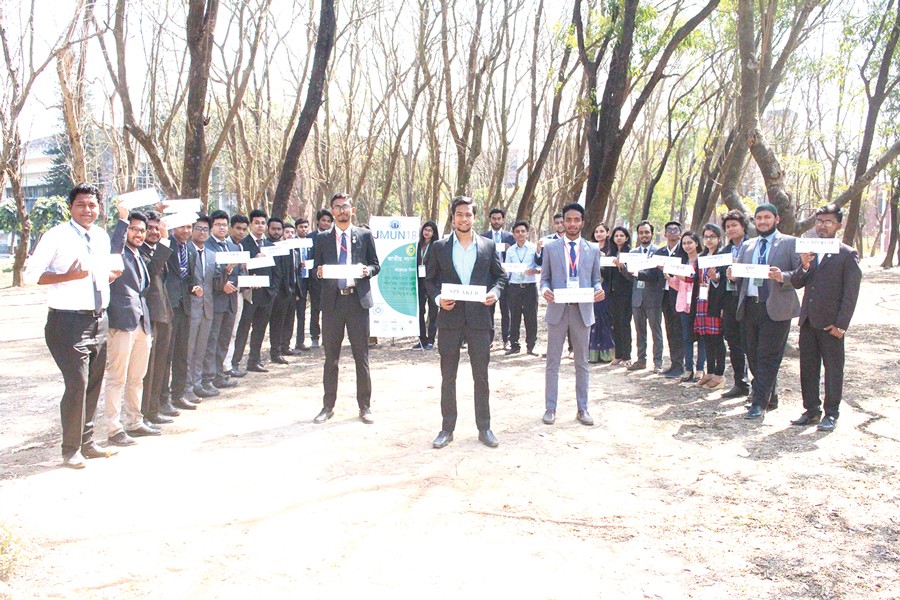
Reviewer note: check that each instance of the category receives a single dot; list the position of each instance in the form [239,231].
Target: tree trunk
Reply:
[21,253]
[314,93]
[892,240]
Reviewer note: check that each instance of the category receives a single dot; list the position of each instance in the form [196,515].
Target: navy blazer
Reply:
[260,295]
[832,289]
[362,251]
[179,289]
[488,272]
[127,304]
[505,238]
[157,297]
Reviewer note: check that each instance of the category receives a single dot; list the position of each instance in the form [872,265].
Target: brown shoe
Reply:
[703,380]
[638,365]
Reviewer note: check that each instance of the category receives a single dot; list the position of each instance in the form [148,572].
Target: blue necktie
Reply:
[573,269]
[342,259]
[762,260]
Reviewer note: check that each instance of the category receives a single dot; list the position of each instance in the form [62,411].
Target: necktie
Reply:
[342,259]
[202,262]
[142,271]
[293,275]
[762,260]
[182,261]
[98,297]
[573,268]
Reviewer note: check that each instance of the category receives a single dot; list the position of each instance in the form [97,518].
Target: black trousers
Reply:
[77,342]
[674,337]
[715,353]
[765,340]
[504,317]
[282,314]
[818,347]
[300,310]
[346,314]
[523,303]
[255,316]
[175,377]
[427,328]
[479,346]
[732,330]
[620,311]
[315,294]
[156,368]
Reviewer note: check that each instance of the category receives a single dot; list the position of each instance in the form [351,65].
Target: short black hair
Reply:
[558,215]
[203,219]
[216,215]
[522,223]
[274,220]
[301,221]
[497,211]
[460,200]
[257,213]
[324,212]
[831,209]
[645,222]
[235,219]
[680,226]
[573,206]
[137,216]
[84,188]
[736,215]
[289,224]
[152,215]
[340,196]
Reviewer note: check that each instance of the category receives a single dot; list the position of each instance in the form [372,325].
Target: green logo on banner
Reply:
[397,280]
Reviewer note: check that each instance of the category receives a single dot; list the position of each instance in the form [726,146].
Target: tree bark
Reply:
[892,240]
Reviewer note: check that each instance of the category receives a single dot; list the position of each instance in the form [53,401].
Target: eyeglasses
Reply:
[137,230]
[825,222]
[342,208]
[202,229]
[673,229]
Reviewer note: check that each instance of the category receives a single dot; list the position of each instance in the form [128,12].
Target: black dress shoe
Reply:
[280,360]
[314,343]
[673,373]
[168,410]
[224,384]
[585,418]
[828,423]
[158,420]
[290,352]
[121,439]
[442,439]
[92,450]
[513,350]
[365,415]
[755,412]
[142,431]
[235,372]
[257,368]
[324,415]
[147,423]
[182,404]
[206,392]
[549,417]
[532,352]
[302,348]
[808,418]
[488,438]
[738,391]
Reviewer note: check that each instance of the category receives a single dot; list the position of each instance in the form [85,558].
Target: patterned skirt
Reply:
[704,323]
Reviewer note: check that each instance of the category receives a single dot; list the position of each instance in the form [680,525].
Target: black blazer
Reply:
[362,251]
[505,237]
[126,294]
[260,295]
[156,295]
[832,288]
[716,294]
[179,289]
[488,272]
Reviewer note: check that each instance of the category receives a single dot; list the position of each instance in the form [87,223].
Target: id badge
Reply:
[704,292]
[640,285]
[572,282]
[421,270]
[729,286]
[758,282]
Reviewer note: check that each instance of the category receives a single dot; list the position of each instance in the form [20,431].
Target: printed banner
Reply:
[395,289]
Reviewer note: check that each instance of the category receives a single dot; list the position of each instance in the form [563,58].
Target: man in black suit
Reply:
[181,285]
[468,259]
[735,224]
[156,254]
[672,318]
[346,304]
[502,241]
[225,304]
[832,288]
[284,279]
[303,282]
[258,311]
[324,222]
[128,348]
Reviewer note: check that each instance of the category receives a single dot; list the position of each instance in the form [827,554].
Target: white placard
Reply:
[466,293]
[186,205]
[180,219]
[133,200]
[115,263]
[581,295]
[296,243]
[661,260]
[715,260]
[750,270]
[246,281]
[703,292]
[679,269]
[260,262]
[639,265]
[277,250]
[232,258]
[501,247]
[515,267]
[308,264]
[818,245]
[342,271]
[607,261]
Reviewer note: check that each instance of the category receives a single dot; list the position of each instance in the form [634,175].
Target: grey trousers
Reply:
[641,317]
[198,338]
[580,334]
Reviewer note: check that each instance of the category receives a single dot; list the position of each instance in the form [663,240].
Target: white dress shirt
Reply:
[57,250]
[337,244]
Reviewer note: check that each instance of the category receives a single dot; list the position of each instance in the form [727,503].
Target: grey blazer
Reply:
[203,306]
[555,274]
[782,303]
[223,302]
[654,284]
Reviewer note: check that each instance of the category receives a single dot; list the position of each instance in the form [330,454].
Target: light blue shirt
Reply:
[464,259]
[524,255]
[752,288]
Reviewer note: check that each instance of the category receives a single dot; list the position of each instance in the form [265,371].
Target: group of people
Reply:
[159,316]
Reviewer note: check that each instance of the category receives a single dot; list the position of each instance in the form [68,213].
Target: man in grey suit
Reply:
[225,305]
[646,301]
[766,306]
[467,259]
[202,311]
[569,262]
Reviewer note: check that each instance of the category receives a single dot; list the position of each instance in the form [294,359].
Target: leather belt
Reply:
[347,291]
[524,285]
[752,299]
[86,313]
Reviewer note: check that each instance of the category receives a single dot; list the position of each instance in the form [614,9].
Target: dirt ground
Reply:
[671,495]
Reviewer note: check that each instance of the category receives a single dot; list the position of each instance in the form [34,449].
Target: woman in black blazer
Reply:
[619,288]
[427,235]
[707,311]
